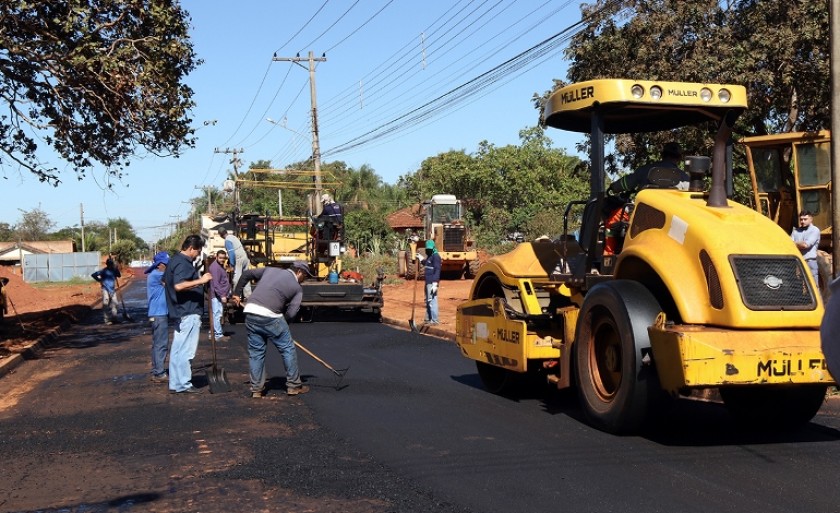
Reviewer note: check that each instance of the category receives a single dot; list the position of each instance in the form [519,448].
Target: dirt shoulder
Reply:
[399,299]
[34,310]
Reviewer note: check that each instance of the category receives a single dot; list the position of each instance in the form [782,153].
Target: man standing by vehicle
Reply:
[275,299]
[184,298]
[219,292]
[158,316]
[432,274]
[806,236]
[237,256]
[107,278]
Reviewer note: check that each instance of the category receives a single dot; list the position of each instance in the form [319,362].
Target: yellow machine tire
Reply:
[773,407]
[616,380]
[496,380]
[472,269]
[825,267]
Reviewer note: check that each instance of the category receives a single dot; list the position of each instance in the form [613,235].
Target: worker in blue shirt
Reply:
[431,266]
[107,278]
[158,316]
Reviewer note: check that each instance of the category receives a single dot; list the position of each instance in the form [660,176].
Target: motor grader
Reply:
[791,172]
[704,293]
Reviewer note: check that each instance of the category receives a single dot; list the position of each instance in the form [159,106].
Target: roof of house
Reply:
[12,251]
[39,246]
[408,217]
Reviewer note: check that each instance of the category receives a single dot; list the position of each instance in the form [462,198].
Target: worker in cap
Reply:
[432,265]
[332,211]
[158,316]
[274,301]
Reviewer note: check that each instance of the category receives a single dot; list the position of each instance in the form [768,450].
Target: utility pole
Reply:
[207,189]
[236,163]
[82,214]
[834,42]
[316,149]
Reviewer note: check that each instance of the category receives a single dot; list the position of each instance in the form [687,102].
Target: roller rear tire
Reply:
[615,374]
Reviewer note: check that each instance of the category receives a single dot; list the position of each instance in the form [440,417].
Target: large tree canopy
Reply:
[505,188]
[778,50]
[97,80]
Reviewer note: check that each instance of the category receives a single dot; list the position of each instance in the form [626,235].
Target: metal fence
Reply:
[60,266]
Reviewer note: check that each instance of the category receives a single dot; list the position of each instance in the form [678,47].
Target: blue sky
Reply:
[398,85]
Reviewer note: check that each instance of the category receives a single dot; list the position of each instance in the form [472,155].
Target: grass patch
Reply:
[75,280]
[369,265]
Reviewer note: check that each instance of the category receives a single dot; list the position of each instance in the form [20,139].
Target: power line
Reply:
[454,95]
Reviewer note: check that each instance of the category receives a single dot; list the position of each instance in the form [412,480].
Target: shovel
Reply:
[340,372]
[411,322]
[125,312]
[122,303]
[216,376]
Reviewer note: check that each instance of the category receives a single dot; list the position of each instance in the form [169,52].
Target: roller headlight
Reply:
[656,92]
[724,95]
[637,91]
[705,94]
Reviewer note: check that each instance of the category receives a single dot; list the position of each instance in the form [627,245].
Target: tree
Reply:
[95,80]
[367,230]
[786,75]
[504,187]
[7,232]
[33,225]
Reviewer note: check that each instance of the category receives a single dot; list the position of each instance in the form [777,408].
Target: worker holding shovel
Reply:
[107,278]
[275,299]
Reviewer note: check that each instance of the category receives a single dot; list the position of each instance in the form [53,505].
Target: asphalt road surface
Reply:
[408,429]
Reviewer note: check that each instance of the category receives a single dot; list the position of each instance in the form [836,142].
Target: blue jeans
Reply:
[815,272]
[218,308]
[160,343]
[261,331]
[184,345]
[431,304]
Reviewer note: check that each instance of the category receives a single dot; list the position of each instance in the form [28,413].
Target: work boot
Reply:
[297,390]
[160,378]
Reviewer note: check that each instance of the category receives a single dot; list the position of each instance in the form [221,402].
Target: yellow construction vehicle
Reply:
[315,239]
[319,242]
[444,223]
[789,173]
[705,293]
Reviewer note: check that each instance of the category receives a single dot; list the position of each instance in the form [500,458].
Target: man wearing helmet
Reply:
[331,210]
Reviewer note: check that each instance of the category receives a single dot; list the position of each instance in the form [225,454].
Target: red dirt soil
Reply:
[34,310]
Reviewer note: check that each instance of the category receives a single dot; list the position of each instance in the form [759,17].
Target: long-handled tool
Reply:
[411,322]
[338,372]
[17,315]
[216,376]
[125,312]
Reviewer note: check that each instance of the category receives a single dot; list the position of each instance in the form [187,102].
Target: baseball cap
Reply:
[303,266]
[430,244]
[325,197]
[161,257]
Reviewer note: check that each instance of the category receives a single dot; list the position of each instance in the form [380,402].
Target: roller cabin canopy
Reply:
[630,106]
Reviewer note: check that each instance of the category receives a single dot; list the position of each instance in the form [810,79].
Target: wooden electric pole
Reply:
[236,163]
[834,41]
[314,203]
